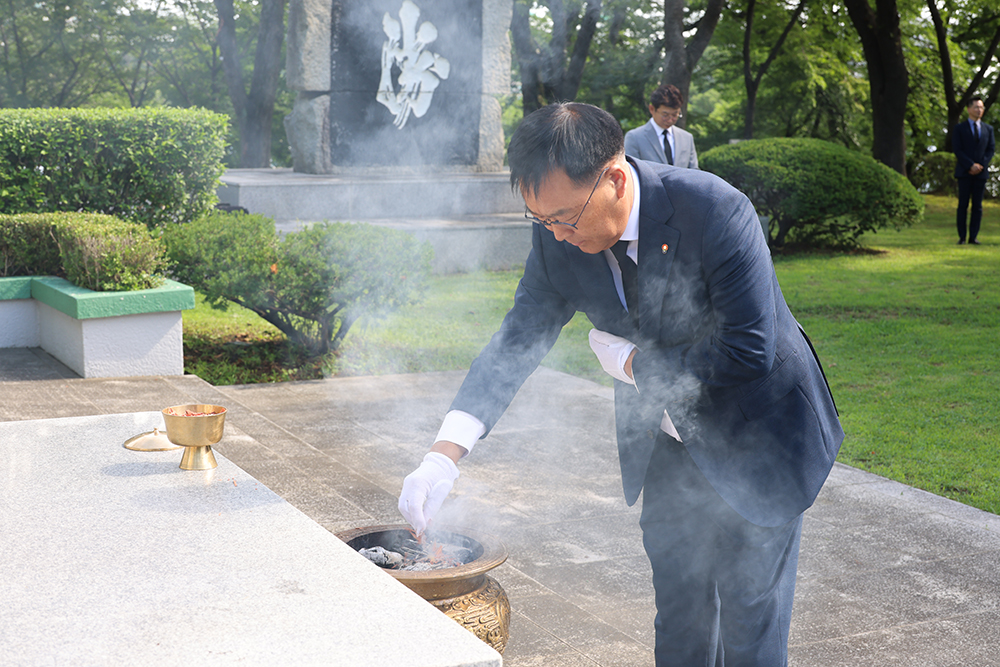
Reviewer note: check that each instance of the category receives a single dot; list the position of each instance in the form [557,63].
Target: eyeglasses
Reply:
[549,223]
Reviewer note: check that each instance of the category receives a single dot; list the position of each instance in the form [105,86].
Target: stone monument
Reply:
[404,86]
[397,122]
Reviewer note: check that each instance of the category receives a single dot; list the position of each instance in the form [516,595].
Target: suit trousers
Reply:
[970,189]
[724,586]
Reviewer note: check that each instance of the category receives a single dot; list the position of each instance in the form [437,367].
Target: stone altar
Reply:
[118,557]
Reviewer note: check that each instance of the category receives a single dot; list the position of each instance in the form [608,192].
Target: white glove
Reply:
[425,489]
[612,351]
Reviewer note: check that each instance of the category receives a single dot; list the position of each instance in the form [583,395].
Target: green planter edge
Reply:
[83,304]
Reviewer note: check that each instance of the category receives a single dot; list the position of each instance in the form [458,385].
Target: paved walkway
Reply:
[888,575]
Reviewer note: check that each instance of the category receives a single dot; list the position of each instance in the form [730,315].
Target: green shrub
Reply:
[312,285]
[91,250]
[147,165]
[815,192]
[28,247]
[934,173]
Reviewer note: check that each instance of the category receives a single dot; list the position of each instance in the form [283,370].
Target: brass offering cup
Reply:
[196,427]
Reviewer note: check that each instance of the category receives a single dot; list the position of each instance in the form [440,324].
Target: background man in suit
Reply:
[722,412]
[973,144]
[660,140]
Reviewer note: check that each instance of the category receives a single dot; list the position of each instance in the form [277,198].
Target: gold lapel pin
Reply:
[664,248]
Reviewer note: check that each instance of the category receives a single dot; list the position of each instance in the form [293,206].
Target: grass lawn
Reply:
[907,336]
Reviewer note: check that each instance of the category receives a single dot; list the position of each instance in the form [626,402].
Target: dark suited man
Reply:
[659,140]
[722,412]
[973,144]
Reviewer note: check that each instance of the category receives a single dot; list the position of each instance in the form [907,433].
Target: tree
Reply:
[978,27]
[546,74]
[130,35]
[681,54]
[888,77]
[751,80]
[254,108]
[624,61]
[50,55]
[811,88]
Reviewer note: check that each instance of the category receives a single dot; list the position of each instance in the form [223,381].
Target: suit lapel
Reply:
[655,140]
[657,249]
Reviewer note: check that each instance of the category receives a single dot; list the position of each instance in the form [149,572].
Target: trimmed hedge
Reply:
[934,173]
[153,166]
[90,250]
[816,193]
[313,285]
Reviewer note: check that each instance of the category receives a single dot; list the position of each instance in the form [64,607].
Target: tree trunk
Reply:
[888,78]
[546,76]
[254,110]
[681,56]
[751,81]
[956,105]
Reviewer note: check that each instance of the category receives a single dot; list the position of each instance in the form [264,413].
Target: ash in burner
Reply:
[408,553]
[381,557]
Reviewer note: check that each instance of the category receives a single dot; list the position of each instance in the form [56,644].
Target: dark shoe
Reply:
[961,242]
[974,242]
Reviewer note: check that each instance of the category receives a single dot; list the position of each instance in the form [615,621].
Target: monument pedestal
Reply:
[472,220]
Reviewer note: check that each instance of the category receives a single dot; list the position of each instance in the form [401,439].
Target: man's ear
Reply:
[619,176]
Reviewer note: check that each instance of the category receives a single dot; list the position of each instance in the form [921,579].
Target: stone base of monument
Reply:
[472,220]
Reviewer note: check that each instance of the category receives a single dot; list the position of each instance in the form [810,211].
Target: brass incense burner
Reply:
[465,593]
[196,427]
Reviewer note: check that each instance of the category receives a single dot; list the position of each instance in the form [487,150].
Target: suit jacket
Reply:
[720,350]
[968,151]
[646,143]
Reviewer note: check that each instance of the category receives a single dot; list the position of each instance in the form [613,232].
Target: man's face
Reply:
[664,116]
[975,109]
[603,218]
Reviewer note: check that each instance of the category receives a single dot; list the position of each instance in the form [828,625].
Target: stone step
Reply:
[472,220]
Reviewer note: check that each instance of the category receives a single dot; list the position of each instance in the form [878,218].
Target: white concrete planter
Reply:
[97,334]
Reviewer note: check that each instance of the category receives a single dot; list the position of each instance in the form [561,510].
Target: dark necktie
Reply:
[666,149]
[630,277]
[975,126]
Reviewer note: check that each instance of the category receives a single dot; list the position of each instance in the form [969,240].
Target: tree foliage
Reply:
[886,77]
[134,53]
[551,53]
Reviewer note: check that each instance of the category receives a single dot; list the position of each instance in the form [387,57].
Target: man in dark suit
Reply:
[660,140]
[973,144]
[722,412]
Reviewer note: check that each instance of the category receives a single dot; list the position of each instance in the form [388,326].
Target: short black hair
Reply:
[974,98]
[578,138]
[667,96]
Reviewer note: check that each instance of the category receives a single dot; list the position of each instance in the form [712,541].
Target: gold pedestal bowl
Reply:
[196,427]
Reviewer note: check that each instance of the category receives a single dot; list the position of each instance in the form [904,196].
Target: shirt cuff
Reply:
[462,429]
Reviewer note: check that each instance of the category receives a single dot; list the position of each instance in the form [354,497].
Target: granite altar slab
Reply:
[113,556]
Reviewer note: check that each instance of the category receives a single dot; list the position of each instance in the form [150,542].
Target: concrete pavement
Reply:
[888,575]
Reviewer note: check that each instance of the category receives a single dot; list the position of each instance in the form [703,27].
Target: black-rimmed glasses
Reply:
[548,223]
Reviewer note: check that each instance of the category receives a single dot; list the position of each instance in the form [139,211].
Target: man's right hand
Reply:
[425,489]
